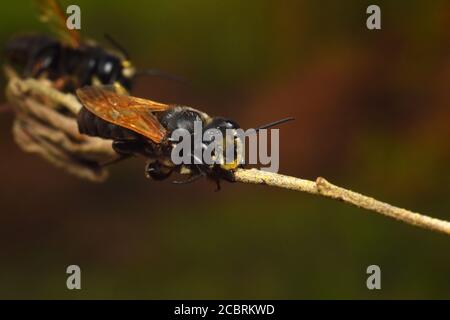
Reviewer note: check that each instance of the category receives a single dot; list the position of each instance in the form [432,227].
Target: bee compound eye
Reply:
[230,124]
[108,70]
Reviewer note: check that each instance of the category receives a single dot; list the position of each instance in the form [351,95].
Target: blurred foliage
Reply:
[372,114]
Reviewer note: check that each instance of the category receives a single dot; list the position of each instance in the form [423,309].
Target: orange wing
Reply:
[51,12]
[125,111]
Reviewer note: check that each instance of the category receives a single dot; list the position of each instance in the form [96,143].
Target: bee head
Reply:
[123,70]
[229,147]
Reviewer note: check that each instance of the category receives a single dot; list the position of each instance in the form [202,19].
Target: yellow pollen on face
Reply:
[126,64]
[230,166]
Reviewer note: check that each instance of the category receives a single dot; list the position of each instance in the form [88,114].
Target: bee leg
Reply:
[228,176]
[156,171]
[114,161]
[191,179]
[194,176]
[218,185]
[127,147]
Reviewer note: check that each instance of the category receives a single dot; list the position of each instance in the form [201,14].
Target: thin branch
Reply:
[323,188]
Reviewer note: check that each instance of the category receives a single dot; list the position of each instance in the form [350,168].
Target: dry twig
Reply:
[323,188]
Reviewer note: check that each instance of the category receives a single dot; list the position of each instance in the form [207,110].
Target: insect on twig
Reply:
[320,187]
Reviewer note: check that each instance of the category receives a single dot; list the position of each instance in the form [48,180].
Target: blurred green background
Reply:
[372,113]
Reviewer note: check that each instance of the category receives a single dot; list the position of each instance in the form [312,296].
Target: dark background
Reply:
[372,113]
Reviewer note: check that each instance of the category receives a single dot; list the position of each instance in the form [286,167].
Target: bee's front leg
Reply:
[128,147]
[63,83]
[157,171]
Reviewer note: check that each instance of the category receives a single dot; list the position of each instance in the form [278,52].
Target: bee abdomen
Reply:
[92,125]
[22,49]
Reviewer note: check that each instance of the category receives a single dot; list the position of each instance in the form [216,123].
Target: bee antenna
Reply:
[189,180]
[160,74]
[117,45]
[272,124]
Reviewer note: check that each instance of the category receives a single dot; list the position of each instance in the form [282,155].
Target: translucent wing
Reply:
[129,112]
[51,12]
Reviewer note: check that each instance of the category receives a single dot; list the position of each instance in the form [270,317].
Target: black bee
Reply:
[67,60]
[144,127]
[69,67]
